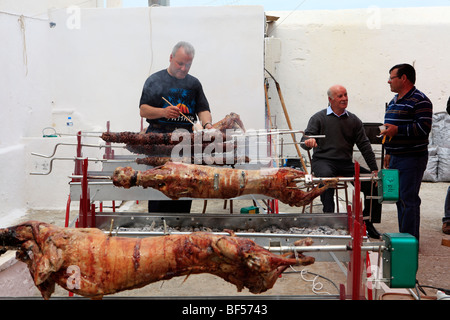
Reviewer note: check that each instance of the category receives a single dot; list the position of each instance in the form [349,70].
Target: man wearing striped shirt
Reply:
[408,124]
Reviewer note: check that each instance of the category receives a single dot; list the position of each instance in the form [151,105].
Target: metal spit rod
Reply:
[306,179]
[71,159]
[54,133]
[73,144]
[327,248]
[265,132]
[310,179]
[281,249]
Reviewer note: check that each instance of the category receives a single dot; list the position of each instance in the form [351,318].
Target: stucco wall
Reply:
[356,48]
[91,64]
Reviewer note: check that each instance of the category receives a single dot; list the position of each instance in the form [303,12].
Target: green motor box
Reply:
[250,210]
[388,186]
[400,260]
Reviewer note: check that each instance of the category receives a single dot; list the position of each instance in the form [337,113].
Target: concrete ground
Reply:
[434,259]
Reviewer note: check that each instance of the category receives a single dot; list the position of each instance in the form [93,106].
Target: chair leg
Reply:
[337,200]
[205,202]
[345,188]
[346,196]
[310,205]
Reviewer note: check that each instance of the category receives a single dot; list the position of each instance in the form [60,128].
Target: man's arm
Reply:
[205,119]
[364,146]
[149,112]
[313,128]
[421,125]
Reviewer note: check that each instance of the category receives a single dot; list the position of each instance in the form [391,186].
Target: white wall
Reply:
[23,103]
[93,63]
[356,48]
[92,66]
[100,68]
[42,9]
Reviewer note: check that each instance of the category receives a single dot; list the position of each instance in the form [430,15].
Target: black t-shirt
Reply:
[185,93]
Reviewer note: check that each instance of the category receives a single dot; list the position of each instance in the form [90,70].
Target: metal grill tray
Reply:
[238,222]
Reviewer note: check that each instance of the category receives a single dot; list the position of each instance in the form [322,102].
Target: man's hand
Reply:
[208,125]
[171,112]
[391,130]
[374,175]
[387,159]
[311,143]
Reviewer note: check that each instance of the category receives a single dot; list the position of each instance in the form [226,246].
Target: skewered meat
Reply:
[176,180]
[92,264]
[231,121]
[166,149]
[171,138]
[200,159]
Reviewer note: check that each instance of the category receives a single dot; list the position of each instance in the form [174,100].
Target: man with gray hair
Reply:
[333,155]
[167,94]
[183,91]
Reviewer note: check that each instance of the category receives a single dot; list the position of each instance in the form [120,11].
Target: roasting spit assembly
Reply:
[349,249]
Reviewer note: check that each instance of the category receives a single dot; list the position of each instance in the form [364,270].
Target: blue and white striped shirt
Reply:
[413,115]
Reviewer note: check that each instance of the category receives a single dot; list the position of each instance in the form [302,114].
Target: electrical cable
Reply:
[420,287]
[298,6]
[315,285]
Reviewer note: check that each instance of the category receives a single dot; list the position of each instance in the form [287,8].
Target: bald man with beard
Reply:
[333,155]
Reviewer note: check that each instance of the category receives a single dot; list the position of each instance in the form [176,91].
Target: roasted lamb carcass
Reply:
[177,180]
[91,263]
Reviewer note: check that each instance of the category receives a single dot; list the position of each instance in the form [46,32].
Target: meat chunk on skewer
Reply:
[203,159]
[170,138]
[168,149]
[177,180]
[92,264]
[230,122]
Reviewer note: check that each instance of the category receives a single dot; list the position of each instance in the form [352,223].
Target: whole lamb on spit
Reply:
[177,180]
[90,263]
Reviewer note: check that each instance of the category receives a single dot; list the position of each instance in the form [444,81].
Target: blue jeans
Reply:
[411,171]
